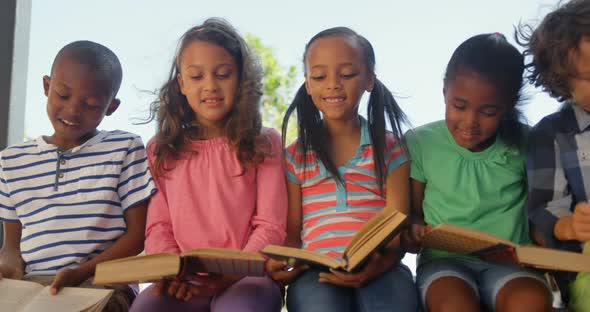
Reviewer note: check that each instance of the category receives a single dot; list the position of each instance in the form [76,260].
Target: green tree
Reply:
[278,88]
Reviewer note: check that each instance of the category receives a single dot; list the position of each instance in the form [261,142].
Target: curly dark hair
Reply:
[177,124]
[549,46]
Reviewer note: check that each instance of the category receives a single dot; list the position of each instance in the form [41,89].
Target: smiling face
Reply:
[78,98]
[336,77]
[473,110]
[208,78]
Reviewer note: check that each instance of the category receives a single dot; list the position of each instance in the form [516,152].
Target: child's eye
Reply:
[459,106]
[92,107]
[63,97]
[196,77]
[348,76]
[490,112]
[317,78]
[222,76]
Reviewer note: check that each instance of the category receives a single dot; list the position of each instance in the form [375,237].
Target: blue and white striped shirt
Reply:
[71,203]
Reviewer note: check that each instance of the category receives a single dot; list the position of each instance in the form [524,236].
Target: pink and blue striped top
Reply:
[331,213]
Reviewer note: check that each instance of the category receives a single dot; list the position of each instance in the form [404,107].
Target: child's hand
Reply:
[172,288]
[67,278]
[412,240]
[209,285]
[378,264]
[277,270]
[7,271]
[581,222]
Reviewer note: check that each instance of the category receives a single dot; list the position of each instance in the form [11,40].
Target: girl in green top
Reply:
[469,170]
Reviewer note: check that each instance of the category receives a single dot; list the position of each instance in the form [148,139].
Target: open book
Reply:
[489,247]
[377,232]
[165,265]
[17,295]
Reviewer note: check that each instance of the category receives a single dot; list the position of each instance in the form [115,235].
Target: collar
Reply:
[44,146]
[582,117]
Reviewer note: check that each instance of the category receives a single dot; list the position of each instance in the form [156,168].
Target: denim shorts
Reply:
[486,278]
[394,290]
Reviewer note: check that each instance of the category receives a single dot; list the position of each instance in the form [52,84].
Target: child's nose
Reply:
[211,84]
[75,107]
[472,119]
[334,82]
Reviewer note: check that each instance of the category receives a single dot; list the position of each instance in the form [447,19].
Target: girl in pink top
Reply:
[220,175]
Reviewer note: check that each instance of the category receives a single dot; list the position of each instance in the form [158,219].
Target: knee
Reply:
[448,294]
[523,294]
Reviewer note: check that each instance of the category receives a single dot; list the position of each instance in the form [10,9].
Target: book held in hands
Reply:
[25,296]
[169,265]
[489,247]
[376,233]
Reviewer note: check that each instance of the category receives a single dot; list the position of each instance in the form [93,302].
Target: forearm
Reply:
[11,257]
[10,254]
[129,244]
[265,234]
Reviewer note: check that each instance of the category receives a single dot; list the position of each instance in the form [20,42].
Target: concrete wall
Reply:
[15,21]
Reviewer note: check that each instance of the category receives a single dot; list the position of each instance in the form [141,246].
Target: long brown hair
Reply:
[177,124]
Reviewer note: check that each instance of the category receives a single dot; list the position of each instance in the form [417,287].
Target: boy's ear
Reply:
[113,106]
[180,83]
[307,87]
[46,82]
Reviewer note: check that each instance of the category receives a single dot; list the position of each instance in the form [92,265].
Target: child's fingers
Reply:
[182,290]
[158,287]
[583,208]
[55,285]
[273,265]
[202,291]
[188,296]
[173,287]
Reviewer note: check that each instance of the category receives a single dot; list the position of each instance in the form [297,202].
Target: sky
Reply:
[413,41]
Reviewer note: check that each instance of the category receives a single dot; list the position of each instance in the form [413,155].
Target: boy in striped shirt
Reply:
[77,197]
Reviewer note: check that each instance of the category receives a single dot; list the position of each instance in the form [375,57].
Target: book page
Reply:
[225,261]
[14,294]
[68,300]
[137,269]
[372,228]
[223,253]
[380,234]
[282,252]
[460,240]
[553,259]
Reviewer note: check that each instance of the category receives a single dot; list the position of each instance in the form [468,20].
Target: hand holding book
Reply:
[380,261]
[284,272]
[373,236]
[192,286]
[411,239]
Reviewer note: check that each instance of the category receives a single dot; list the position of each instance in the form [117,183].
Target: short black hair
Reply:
[97,57]
[492,57]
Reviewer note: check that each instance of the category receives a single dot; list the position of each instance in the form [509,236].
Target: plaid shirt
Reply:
[558,170]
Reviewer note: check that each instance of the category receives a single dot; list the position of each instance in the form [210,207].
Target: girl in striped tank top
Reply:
[341,171]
